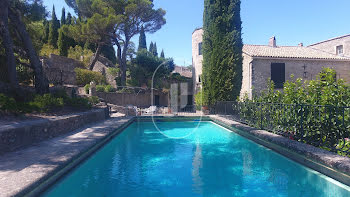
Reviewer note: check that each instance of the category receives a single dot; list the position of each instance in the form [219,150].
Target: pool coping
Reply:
[325,162]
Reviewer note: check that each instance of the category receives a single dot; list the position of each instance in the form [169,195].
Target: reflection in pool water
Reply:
[210,162]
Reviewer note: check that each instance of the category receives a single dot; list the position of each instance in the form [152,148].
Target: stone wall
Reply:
[102,66]
[140,100]
[18,135]
[261,70]
[196,58]
[59,69]
[330,45]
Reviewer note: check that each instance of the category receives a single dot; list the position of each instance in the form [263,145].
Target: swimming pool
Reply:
[209,161]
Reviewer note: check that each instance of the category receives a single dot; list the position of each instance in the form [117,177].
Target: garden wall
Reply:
[18,135]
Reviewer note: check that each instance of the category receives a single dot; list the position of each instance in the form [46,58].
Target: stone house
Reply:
[103,65]
[261,62]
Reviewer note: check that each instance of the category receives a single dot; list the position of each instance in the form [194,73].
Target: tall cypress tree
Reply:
[142,39]
[63,17]
[222,51]
[46,31]
[54,26]
[162,54]
[62,44]
[154,50]
[69,19]
[150,49]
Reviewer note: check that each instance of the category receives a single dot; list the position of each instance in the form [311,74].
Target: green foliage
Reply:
[109,88]
[7,104]
[53,30]
[46,102]
[47,50]
[80,54]
[45,37]
[69,19]
[79,103]
[100,88]
[63,17]
[154,50]
[108,52]
[84,76]
[199,98]
[313,110]
[162,54]
[222,51]
[87,88]
[145,64]
[142,39]
[62,44]
[104,88]
[150,49]
[114,71]
[94,100]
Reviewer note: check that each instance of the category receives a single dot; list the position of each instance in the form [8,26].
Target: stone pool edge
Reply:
[325,162]
[51,178]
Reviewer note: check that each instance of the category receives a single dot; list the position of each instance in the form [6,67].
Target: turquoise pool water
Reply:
[210,161]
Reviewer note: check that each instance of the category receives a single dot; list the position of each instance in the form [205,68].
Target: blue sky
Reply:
[291,21]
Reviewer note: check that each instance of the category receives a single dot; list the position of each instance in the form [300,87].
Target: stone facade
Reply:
[302,62]
[256,71]
[102,66]
[60,70]
[330,46]
[197,38]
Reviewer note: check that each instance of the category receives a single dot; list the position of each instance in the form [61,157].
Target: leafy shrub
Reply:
[79,102]
[87,88]
[113,71]
[80,54]
[84,76]
[109,88]
[7,103]
[47,50]
[100,88]
[94,100]
[46,102]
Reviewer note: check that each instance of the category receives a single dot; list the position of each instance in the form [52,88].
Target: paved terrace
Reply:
[24,167]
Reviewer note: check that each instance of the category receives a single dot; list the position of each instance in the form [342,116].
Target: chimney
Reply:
[301,44]
[272,42]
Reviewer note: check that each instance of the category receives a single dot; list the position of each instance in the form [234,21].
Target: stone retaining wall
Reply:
[18,135]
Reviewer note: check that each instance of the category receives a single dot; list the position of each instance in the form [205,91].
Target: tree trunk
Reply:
[97,54]
[8,44]
[41,83]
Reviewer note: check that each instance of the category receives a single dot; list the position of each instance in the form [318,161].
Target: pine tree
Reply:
[69,19]
[62,44]
[222,51]
[63,17]
[154,50]
[162,54]
[54,26]
[150,49]
[142,39]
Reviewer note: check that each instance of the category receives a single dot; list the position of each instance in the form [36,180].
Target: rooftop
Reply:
[339,37]
[298,52]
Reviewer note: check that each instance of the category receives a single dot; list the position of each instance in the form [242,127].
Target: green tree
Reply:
[63,17]
[135,14]
[46,31]
[62,43]
[97,29]
[150,49]
[162,54]
[222,51]
[109,52]
[69,19]
[54,26]
[142,39]
[154,51]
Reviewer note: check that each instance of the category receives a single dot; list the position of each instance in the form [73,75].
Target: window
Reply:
[278,74]
[199,78]
[200,48]
[339,49]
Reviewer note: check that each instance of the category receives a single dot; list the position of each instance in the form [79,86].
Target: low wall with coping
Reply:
[22,134]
